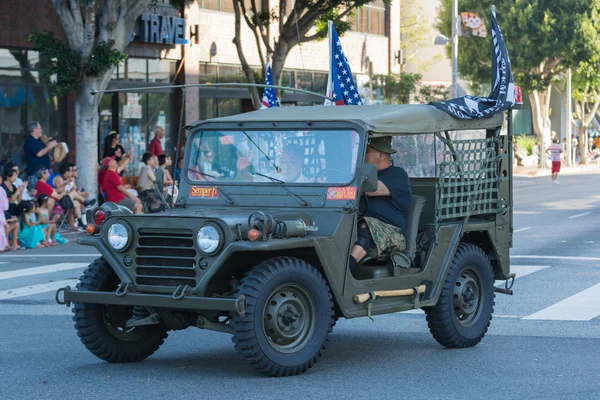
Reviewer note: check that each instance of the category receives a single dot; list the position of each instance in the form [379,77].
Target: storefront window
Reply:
[208,73]
[288,78]
[304,80]
[161,71]
[25,97]
[136,70]
[133,129]
[229,74]
[319,82]
[370,18]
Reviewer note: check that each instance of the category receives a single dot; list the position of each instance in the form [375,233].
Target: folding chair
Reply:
[62,220]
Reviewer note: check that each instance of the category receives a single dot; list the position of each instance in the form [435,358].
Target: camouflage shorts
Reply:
[387,238]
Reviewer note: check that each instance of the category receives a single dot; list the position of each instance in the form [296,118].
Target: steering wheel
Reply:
[329,170]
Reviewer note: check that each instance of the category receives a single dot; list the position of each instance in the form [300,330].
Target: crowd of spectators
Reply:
[32,210]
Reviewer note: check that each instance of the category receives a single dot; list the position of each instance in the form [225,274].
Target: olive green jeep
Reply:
[258,241]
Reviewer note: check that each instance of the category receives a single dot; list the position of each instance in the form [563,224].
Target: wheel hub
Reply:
[289,318]
[467,296]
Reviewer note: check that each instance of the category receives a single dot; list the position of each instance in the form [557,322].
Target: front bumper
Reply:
[195,303]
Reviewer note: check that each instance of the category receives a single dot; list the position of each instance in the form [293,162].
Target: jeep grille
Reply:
[165,257]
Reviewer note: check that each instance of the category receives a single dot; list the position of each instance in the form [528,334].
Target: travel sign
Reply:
[162,29]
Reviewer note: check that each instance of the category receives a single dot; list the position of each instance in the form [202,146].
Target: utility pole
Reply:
[455,47]
[568,131]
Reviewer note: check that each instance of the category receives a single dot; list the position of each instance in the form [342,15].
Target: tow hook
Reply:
[508,284]
[58,300]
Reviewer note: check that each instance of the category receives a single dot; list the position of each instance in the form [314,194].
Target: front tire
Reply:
[101,328]
[289,317]
[464,310]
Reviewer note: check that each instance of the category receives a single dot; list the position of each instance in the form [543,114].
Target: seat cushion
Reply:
[412,224]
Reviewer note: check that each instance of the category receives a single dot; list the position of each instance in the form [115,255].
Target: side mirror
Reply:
[367,177]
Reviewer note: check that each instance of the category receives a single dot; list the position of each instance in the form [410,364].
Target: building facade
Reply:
[202,52]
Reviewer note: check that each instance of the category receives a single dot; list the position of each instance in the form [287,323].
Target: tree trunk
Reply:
[280,53]
[540,108]
[583,143]
[86,133]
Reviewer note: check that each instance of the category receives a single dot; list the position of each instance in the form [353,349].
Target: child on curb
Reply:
[31,235]
[51,234]
[48,226]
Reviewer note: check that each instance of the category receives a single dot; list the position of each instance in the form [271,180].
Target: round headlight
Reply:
[209,239]
[118,236]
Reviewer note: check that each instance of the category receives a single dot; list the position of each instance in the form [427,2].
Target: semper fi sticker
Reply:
[204,192]
[341,193]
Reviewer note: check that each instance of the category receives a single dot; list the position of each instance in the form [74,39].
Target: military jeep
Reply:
[259,250]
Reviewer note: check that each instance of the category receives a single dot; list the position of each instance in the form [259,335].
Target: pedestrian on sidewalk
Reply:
[555,150]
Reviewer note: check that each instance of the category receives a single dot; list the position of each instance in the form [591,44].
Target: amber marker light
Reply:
[90,228]
[253,234]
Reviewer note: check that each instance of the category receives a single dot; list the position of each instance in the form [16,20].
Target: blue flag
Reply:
[269,99]
[340,84]
[502,96]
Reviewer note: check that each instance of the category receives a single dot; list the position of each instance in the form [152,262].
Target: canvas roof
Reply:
[381,120]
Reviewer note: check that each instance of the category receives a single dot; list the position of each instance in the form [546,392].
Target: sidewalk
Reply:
[531,171]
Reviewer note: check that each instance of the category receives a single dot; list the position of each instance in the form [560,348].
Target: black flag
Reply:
[502,95]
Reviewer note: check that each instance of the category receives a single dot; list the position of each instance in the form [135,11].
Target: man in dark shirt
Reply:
[381,228]
[36,152]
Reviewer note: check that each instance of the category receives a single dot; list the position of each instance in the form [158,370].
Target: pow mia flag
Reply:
[502,95]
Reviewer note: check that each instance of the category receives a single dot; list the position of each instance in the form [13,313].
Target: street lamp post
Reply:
[455,47]
[443,40]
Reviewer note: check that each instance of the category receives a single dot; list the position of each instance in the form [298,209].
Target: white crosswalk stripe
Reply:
[582,306]
[46,269]
[36,289]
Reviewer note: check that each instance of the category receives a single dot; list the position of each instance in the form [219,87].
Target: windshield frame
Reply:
[288,126]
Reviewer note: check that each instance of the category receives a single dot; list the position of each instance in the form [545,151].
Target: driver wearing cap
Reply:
[380,230]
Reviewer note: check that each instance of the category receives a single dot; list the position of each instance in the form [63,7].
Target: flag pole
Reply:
[329,88]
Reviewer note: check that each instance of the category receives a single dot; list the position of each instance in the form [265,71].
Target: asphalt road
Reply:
[544,342]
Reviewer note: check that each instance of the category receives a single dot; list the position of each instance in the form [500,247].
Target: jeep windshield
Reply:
[274,157]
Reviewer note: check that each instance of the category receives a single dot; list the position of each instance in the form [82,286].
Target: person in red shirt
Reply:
[42,187]
[116,192]
[155,145]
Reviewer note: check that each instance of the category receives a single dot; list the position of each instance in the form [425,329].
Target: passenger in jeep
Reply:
[380,230]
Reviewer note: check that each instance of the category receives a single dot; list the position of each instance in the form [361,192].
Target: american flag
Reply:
[269,99]
[340,84]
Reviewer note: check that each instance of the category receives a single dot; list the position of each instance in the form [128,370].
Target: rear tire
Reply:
[101,328]
[289,317]
[464,310]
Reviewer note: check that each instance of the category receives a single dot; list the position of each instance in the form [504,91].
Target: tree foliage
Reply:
[69,65]
[543,37]
[306,21]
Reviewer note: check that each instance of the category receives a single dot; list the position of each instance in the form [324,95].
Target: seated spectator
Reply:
[68,201]
[115,191]
[13,192]
[111,144]
[19,182]
[9,225]
[163,176]
[146,185]
[178,169]
[73,179]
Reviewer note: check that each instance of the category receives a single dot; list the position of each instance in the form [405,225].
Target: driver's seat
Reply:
[403,259]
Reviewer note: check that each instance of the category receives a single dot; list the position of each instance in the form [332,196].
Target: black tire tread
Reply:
[101,343]
[244,337]
[439,320]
